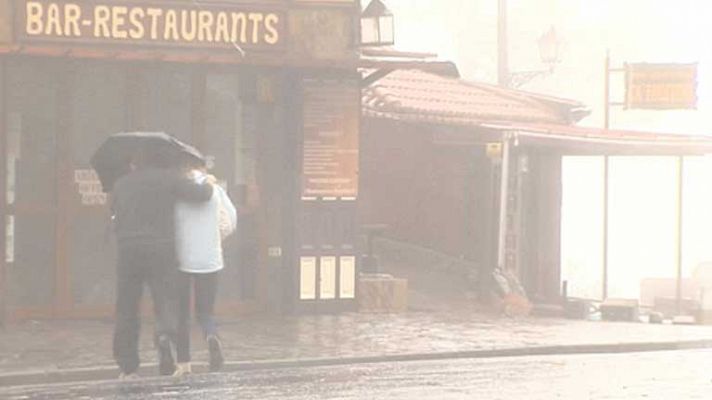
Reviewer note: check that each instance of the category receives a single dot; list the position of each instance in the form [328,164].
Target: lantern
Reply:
[377,25]
[549,48]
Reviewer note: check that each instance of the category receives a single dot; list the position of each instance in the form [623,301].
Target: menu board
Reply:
[330,152]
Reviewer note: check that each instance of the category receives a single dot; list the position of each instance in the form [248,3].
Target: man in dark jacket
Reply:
[143,203]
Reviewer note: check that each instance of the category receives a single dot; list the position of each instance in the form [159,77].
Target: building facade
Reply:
[268,90]
[474,171]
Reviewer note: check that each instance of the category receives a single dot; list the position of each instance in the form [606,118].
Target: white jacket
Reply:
[198,231]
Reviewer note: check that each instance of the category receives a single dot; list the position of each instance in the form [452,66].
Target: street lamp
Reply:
[549,48]
[377,25]
[549,53]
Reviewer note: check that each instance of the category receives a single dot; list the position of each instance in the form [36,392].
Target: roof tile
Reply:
[419,95]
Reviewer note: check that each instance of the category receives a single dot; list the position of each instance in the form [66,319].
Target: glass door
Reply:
[98,109]
[31,185]
[229,142]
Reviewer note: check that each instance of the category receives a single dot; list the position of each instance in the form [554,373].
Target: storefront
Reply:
[482,167]
[268,91]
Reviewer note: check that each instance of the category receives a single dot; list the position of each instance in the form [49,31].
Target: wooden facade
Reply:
[240,103]
[440,178]
[445,195]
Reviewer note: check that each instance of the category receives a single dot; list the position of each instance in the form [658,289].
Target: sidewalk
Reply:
[56,351]
[442,323]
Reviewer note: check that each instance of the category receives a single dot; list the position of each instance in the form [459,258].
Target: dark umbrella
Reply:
[113,158]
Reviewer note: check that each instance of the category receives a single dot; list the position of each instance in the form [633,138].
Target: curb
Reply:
[148,370]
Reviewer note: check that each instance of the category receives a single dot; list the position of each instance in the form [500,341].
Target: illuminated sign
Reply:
[661,86]
[191,24]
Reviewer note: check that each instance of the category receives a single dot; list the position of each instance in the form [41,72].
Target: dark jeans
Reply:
[138,265]
[205,286]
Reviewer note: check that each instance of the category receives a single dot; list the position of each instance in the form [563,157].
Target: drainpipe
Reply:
[680,216]
[503,194]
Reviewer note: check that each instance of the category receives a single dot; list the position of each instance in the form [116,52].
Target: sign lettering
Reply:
[661,86]
[330,159]
[162,23]
[89,187]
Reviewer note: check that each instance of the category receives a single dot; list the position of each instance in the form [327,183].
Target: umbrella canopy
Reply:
[114,157]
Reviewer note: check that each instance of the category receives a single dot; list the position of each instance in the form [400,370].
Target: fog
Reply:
[643,191]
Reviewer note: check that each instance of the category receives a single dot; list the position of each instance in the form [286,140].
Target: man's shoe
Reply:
[215,350]
[132,376]
[166,360]
[182,369]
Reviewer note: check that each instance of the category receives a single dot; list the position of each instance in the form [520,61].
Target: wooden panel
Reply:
[322,33]
[3,196]
[5,22]
[427,194]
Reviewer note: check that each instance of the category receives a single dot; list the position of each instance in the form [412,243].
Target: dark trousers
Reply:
[154,266]
[205,286]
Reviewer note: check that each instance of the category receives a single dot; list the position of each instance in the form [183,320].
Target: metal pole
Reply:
[606,125]
[680,186]
[502,49]
[503,194]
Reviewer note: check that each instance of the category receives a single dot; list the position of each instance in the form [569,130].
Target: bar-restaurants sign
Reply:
[191,24]
[661,86]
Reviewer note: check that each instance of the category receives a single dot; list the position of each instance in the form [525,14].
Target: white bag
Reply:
[227,214]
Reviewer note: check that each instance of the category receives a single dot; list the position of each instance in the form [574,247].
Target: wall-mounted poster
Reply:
[307,278]
[331,124]
[327,274]
[347,277]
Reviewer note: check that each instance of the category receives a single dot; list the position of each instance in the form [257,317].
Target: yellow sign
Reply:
[494,150]
[150,23]
[661,86]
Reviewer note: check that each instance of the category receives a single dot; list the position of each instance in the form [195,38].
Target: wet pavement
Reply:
[66,345]
[660,375]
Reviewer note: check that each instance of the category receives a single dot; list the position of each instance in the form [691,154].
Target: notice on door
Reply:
[89,187]
[331,123]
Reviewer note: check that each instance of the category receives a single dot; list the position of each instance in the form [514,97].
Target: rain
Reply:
[349,199]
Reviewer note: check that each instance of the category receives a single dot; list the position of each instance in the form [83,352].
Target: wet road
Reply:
[662,375]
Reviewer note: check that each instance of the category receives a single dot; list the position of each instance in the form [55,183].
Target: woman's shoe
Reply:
[215,351]
[132,376]
[182,369]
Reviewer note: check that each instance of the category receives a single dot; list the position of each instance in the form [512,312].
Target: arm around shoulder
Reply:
[189,190]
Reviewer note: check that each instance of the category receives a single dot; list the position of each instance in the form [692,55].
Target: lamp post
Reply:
[549,45]
[377,28]
[549,53]
[550,48]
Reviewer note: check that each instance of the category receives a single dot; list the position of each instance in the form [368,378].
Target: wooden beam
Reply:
[375,76]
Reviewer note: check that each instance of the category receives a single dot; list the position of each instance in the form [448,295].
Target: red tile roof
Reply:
[416,95]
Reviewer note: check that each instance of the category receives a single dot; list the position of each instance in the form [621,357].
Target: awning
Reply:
[585,140]
[202,56]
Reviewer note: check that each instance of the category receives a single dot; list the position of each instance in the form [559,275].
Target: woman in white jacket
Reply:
[200,229]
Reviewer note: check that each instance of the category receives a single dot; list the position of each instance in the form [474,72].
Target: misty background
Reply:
[643,190]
